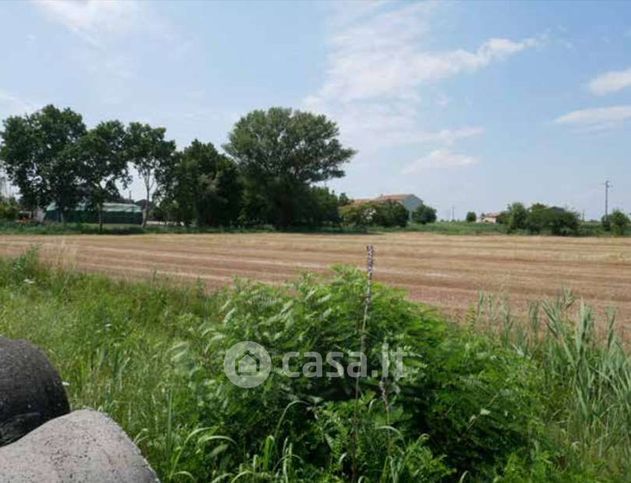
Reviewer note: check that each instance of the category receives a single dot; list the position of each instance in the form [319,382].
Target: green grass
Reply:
[440,227]
[458,228]
[543,401]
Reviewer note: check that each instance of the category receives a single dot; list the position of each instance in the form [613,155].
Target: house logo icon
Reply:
[247,364]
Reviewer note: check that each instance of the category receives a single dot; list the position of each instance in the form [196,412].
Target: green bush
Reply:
[9,209]
[383,213]
[517,216]
[511,406]
[453,392]
[619,222]
[424,214]
[540,218]
[471,217]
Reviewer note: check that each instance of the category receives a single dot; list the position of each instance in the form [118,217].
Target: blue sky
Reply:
[472,104]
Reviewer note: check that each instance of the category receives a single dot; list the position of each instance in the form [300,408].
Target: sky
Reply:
[470,105]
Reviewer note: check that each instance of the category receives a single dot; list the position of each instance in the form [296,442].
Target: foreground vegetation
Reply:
[544,401]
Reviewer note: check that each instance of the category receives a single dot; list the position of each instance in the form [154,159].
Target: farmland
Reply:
[151,354]
[447,272]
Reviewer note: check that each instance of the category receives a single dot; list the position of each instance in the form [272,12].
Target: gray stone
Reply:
[31,391]
[84,446]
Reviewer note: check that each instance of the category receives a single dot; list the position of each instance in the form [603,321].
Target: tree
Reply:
[34,156]
[390,213]
[562,222]
[471,217]
[149,153]
[281,153]
[619,222]
[538,218]
[202,185]
[517,216]
[358,214]
[424,214]
[102,157]
[319,206]
[9,209]
[552,219]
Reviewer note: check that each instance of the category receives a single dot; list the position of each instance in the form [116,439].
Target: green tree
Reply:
[319,206]
[202,185]
[390,213]
[538,218]
[33,153]
[358,214]
[9,209]
[563,222]
[619,222]
[471,217]
[551,219]
[517,216]
[281,153]
[150,154]
[424,214]
[102,158]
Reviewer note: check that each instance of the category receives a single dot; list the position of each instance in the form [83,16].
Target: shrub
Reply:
[9,209]
[358,214]
[619,222]
[554,220]
[540,218]
[424,214]
[384,213]
[563,222]
[492,401]
[517,216]
[471,217]
[475,404]
[390,214]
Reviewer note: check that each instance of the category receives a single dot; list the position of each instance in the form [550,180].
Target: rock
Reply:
[31,391]
[84,446]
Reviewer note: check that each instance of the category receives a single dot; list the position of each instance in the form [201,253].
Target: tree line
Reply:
[540,218]
[270,173]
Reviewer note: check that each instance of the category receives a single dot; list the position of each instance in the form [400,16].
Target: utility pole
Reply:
[607,186]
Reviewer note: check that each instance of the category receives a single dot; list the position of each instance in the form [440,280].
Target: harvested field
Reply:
[445,271]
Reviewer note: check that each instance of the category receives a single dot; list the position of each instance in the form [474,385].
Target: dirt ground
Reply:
[445,271]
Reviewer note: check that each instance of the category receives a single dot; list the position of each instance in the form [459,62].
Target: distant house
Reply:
[489,217]
[409,201]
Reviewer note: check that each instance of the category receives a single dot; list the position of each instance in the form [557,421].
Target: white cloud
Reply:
[439,158]
[385,55]
[597,118]
[94,20]
[10,104]
[116,41]
[609,82]
[379,60]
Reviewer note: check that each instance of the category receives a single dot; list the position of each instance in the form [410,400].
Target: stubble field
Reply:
[445,271]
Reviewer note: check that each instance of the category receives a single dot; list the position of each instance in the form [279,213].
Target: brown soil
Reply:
[445,271]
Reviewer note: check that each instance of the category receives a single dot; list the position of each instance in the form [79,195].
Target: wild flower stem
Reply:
[362,349]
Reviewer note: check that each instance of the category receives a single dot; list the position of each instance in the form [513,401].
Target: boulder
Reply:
[82,447]
[31,391]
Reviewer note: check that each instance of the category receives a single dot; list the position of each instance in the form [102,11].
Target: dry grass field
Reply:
[445,271]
